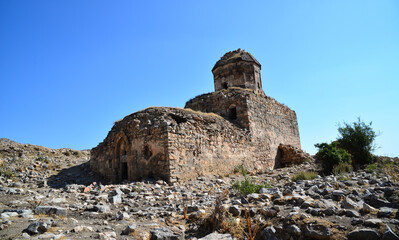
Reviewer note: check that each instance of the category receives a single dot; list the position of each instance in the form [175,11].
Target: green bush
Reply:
[358,139]
[342,168]
[248,185]
[304,176]
[330,155]
[371,167]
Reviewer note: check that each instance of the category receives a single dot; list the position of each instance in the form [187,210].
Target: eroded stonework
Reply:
[235,125]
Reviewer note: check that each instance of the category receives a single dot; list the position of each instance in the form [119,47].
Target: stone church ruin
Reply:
[235,125]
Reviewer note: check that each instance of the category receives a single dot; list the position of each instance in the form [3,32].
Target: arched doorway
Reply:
[121,167]
[278,160]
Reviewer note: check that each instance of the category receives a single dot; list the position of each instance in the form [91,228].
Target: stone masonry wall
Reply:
[135,148]
[178,144]
[238,74]
[171,144]
[271,123]
[207,144]
[222,102]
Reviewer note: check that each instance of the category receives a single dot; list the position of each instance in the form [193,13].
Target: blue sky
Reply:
[69,69]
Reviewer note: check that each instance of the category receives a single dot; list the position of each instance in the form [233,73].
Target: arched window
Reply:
[233,113]
[224,85]
[147,152]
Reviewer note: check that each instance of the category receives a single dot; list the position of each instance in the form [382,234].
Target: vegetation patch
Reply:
[353,147]
[6,172]
[248,184]
[358,139]
[330,155]
[304,176]
[342,168]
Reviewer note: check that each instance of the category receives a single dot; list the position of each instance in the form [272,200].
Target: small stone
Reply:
[38,227]
[253,196]
[269,212]
[101,208]
[51,210]
[364,234]
[271,191]
[129,229]
[107,236]
[350,204]
[122,215]
[368,209]
[216,236]
[163,233]
[356,221]
[373,222]
[25,235]
[317,231]
[117,199]
[293,229]
[389,235]
[82,229]
[352,213]
[269,233]
[385,212]
[235,210]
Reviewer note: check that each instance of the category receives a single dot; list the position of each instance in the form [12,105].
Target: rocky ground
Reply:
[51,194]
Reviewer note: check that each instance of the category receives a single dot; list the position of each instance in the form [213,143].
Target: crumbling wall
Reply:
[177,144]
[206,144]
[224,103]
[135,148]
[271,123]
[291,155]
[172,144]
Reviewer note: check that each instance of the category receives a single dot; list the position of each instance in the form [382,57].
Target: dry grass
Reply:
[201,113]
[392,171]
[251,231]
[304,176]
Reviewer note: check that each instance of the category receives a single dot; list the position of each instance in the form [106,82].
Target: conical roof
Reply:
[236,56]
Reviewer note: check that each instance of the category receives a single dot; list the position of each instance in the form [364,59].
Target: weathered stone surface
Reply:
[38,227]
[389,234]
[373,222]
[291,155]
[129,229]
[317,231]
[101,208]
[51,210]
[163,234]
[385,212]
[364,234]
[235,210]
[217,236]
[235,125]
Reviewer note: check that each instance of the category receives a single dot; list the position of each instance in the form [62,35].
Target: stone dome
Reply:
[236,56]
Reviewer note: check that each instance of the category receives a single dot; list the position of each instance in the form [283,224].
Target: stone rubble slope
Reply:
[74,204]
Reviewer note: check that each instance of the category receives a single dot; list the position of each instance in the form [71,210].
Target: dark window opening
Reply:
[124,174]
[147,152]
[224,85]
[259,85]
[178,119]
[233,113]
[124,152]
[110,163]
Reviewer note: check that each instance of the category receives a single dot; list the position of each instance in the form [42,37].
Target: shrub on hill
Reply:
[330,155]
[358,139]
